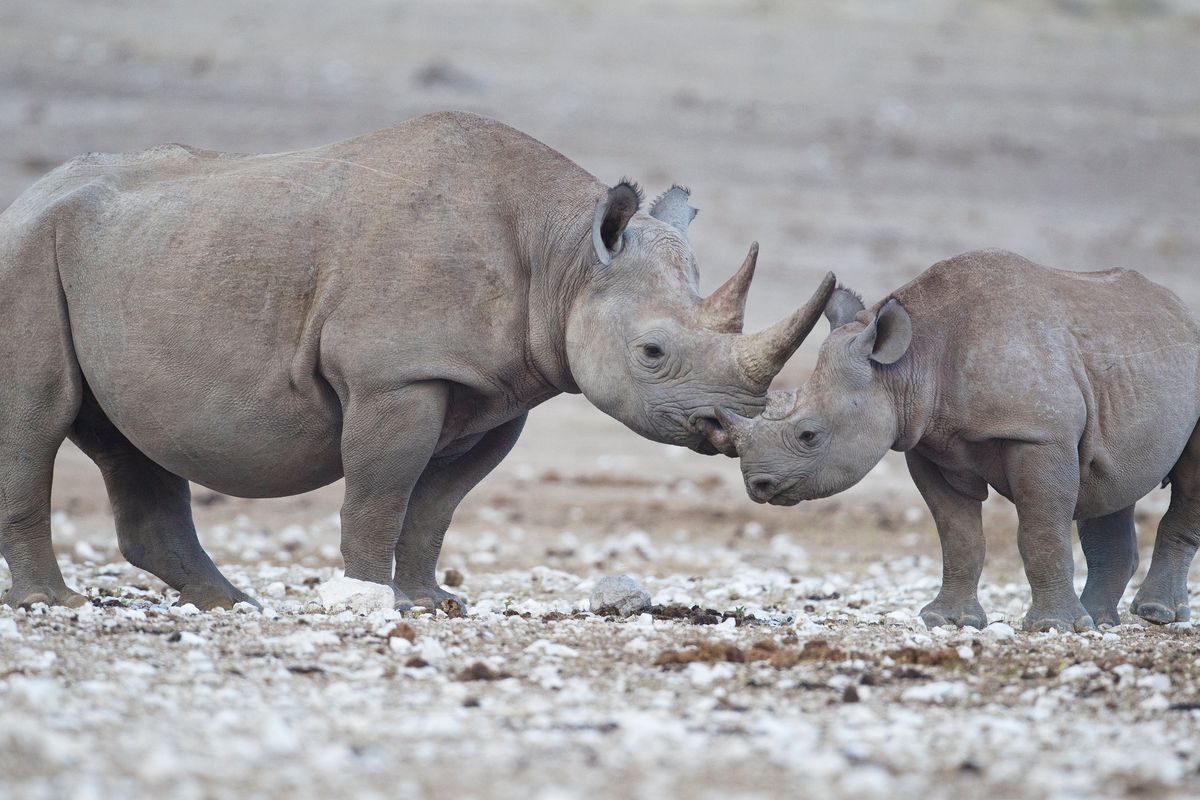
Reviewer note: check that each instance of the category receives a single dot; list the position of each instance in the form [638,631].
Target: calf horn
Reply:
[724,310]
[761,355]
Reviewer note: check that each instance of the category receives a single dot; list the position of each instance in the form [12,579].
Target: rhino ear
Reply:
[886,337]
[613,213]
[672,208]
[842,307]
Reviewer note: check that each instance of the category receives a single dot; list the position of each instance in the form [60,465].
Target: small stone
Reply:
[8,629]
[999,631]
[360,597]
[850,694]
[453,578]
[619,595]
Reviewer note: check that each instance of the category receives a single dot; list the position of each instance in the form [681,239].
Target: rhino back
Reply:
[1108,359]
[204,288]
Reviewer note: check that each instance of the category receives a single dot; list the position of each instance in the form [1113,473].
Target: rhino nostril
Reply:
[762,487]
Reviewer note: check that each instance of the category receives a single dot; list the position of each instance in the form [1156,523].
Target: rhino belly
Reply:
[237,447]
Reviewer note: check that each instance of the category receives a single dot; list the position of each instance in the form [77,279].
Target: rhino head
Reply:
[646,348]
[826,436]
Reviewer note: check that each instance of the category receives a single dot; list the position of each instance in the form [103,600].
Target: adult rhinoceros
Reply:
[386,309]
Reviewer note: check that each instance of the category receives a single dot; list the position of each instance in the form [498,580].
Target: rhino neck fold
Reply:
[557,253]
[910,386]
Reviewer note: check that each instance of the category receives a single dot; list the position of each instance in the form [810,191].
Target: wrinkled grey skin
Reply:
[1071,394]
[386,309]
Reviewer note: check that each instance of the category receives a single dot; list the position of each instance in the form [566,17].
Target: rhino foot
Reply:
[206,597]
[1104,615]
[964,613]
[26,596]
[1161,610]
[435,597]
[1067,617]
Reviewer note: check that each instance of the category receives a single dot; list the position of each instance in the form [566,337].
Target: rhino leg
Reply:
[1044,479]
[39,396]
[960,528]
[1163,596]
[1110,546]
[442,487]
[388,438]
[153,513]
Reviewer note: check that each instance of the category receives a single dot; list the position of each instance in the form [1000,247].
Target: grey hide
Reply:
[1071,394]
[386,309]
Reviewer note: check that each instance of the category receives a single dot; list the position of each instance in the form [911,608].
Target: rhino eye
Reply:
[808,436]
[652,351]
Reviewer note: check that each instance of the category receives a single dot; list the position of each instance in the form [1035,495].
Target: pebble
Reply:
[999,631]
[360,597]
[621,593]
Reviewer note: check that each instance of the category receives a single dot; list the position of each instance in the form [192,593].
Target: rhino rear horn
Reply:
[613,212]
[672,208]
[761,355]
[724,310]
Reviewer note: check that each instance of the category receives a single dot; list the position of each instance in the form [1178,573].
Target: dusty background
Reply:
[872,138]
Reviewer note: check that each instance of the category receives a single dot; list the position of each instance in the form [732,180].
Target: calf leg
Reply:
[1110,546]
[959,523]
[1044,479]
[153,514]
[437,494]
[388,438]
[1163,596]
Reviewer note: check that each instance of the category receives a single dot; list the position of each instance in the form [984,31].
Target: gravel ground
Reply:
[867,136]
[758,673]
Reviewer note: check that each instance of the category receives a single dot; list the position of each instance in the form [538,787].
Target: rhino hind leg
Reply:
[153,514]
[39,395]
[1163,595]
[1110,546]
[437,494]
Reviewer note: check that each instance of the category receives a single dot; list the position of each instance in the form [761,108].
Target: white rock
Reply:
[621,593]
[361,597]
[1079,672]
[999,631]
[544,647]
[1155,681]
[189,639]
[936,692]
[8,629]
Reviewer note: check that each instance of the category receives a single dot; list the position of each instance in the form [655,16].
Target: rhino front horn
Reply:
[761,355]
[724,310]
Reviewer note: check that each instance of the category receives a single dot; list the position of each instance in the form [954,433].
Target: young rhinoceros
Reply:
[386,308]
[1071,394]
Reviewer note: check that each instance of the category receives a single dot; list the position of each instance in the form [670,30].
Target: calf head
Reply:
[646,348]
[824,437]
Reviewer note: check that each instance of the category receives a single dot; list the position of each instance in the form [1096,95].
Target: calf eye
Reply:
[652,351]
[808,436]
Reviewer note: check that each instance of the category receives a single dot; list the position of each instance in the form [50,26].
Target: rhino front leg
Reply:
[959,523]
[388,438]
[441,488]
[1163,596]
[1110,546]
[1044,479]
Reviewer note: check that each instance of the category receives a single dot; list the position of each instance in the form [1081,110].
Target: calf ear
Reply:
[886,337]
[893,333]
[843,305]
[613,213]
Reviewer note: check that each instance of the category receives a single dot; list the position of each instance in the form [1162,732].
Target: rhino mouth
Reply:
[716,438]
